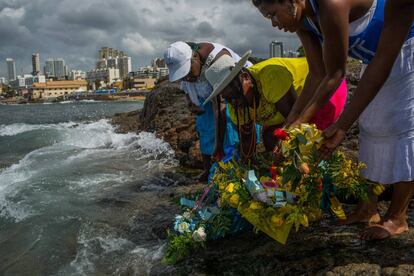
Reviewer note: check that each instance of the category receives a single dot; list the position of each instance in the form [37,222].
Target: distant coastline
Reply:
[92,97]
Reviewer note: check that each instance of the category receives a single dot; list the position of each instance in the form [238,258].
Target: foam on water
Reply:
[97,243]
[92,145]
[15,129]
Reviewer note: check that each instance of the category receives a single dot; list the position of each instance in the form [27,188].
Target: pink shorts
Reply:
[330,112]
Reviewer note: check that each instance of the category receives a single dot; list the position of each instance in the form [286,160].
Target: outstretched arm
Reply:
[334,16]
[399,15]
[316,74]
[397,22]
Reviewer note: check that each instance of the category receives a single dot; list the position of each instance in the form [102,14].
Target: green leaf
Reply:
[302,139]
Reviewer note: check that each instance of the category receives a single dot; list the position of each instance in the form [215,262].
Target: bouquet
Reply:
[274,198]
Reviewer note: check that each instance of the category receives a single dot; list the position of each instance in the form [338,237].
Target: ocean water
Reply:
[63,171]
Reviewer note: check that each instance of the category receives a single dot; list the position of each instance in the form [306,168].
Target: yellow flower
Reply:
[234,200]
[222,165]
[255,205]
[304,220]
[230,188]
[295,131]
[305,149]
[222,186]
[276,220]
[378,189]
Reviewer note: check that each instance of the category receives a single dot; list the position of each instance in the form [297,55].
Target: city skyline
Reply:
[75,30]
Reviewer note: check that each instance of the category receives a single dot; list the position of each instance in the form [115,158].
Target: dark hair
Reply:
[236,85]
[257,3]
[194,46]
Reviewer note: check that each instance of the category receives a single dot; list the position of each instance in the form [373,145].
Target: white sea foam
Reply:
[99,182]
[90,101]
[142,259]
[96,243]
[94,145]
[15,129]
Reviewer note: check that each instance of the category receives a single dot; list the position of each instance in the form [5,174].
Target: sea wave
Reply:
[15,129]
[86,159]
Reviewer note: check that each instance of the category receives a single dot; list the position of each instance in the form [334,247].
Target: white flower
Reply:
[187,215]
[183,227]
[199,235]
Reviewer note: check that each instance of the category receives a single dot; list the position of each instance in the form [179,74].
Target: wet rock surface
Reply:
[322,249]
[165,113]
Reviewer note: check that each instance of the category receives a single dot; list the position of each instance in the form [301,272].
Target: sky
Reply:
[76,29]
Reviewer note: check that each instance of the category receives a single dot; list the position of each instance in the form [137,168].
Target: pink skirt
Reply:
[330,112]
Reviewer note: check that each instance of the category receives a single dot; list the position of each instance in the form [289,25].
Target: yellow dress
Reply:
[273,77]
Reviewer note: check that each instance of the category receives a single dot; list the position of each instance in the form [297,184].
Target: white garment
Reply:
[387,125]
[199,90]
[358,26]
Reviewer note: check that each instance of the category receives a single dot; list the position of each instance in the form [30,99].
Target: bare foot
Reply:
[384,230]
[360,217]
[365,212]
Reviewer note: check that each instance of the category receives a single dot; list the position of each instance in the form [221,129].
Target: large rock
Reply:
[166,114]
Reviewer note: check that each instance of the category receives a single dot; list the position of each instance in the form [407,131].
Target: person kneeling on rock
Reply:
[187,61]
[265,93]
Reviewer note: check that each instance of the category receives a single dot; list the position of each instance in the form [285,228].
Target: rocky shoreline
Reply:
[322,249]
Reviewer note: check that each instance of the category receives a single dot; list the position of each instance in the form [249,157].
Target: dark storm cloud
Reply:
[76,29]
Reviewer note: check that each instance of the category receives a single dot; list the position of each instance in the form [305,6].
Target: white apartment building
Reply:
[116,59]
[77,75]
[106,76]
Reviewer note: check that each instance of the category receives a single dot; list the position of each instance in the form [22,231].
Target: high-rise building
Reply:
[124,65]
[276,49]
[11,69]
[50,68]
[109,58]
[56,68]
[36,64]
[112,63]
[101,63]
[59,68]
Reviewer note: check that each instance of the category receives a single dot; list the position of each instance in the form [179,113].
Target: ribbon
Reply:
[186,202]
[203,196]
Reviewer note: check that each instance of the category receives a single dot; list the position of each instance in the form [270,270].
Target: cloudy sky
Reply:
[76,29]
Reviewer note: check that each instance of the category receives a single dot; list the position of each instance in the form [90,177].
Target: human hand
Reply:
[333,137]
